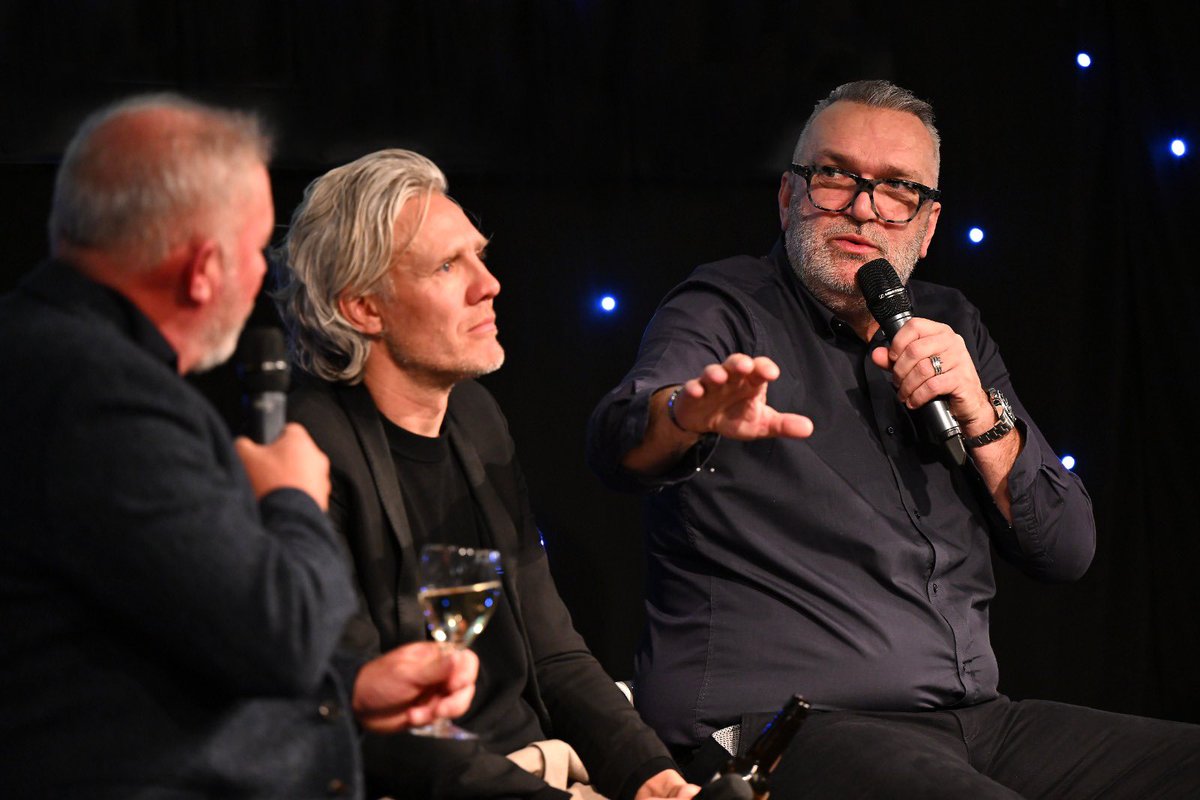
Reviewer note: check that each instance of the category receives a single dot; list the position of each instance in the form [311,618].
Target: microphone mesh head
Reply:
[882,289]
[262,360]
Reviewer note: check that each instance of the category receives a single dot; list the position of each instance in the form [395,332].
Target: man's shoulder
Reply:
[478,419]
[936,301]
[745,273]
[56,347]
[319,406]
[310,392]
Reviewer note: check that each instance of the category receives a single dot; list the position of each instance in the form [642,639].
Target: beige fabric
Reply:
[557,763]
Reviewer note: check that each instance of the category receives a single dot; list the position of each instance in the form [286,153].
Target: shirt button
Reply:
[917,514]
[891,430]
[935,588]
[328,711]
[337,788]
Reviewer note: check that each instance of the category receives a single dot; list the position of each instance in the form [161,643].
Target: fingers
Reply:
[666,784]
[918,380]
[730,399]
[792,426]
[414,684]
[291,461]
[465,670]
[736,372]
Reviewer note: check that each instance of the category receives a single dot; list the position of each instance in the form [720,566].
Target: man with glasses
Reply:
[842,554]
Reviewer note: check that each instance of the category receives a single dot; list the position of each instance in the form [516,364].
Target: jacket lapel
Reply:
[504,537]
[364,419]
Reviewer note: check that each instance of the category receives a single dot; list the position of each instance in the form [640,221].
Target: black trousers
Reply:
[998,749]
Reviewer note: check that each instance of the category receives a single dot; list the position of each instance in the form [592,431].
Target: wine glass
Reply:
[459,589]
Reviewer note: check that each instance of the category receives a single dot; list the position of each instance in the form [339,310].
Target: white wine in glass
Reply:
[459,590]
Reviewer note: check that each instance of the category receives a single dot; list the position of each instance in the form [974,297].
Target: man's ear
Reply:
[785,199]
[202,272]
[362,312]
[935,211]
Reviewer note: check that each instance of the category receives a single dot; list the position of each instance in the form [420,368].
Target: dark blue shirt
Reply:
[853,566]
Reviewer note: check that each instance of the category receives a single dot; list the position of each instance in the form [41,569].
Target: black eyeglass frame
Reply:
[861,184]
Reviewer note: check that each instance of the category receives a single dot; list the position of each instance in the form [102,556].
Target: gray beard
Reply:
[220,340]
[440,376]
[813,261]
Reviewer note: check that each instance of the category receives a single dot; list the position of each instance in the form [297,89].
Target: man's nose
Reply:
[485,284]
[861,208]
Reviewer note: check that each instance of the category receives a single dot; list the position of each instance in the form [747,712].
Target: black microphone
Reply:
[262,366]
[888,302]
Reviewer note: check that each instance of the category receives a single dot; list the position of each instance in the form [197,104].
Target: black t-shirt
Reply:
[441,510]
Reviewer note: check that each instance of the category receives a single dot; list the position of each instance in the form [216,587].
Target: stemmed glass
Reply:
[459,589]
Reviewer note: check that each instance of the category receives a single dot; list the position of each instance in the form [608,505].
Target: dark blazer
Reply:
[573,697]
[161,633]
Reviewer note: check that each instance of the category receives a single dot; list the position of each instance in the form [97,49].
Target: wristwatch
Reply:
[1005,421]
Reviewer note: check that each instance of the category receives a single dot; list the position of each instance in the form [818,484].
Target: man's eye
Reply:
[445,267]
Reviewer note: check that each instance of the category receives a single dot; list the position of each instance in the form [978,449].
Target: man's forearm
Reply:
[664,442]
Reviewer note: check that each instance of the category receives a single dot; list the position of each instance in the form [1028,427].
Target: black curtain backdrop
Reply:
[613,146]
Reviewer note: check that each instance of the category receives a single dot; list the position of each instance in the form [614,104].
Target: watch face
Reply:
[1005,420]
[1003,407]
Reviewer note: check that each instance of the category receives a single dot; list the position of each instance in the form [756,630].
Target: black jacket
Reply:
[573,697]
[161,633]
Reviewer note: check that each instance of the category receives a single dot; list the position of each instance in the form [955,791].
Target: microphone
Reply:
[888,302]
[263,368]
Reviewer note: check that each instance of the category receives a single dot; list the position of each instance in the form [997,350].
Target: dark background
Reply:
[613,146]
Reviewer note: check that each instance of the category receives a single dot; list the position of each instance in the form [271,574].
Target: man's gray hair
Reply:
[877,94]
[140,188]
[341,244]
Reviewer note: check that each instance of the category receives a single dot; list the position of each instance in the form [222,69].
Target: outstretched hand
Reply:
[730,399]
[414,685]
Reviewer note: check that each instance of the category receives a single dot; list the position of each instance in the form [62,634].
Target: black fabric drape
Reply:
[612,146]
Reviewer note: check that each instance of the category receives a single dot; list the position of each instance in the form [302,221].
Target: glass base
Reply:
[443,729]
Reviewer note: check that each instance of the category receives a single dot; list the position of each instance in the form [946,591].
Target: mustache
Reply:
[873,236]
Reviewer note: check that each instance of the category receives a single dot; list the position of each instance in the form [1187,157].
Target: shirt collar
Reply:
[57,283]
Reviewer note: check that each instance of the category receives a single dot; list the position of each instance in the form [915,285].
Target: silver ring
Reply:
[937,364]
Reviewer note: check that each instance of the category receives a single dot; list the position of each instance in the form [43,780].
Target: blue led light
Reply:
[1178,147]
[1068,462]
[1083,60]
[608,304]
[488,602]
[975,235]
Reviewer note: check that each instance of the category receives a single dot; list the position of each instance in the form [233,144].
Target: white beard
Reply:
[815,264]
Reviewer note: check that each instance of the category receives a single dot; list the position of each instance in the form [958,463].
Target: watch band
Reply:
[1005,421]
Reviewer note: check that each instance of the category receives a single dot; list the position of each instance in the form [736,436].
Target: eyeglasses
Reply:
[892,199]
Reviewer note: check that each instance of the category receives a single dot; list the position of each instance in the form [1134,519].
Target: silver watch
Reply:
[1005,421]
